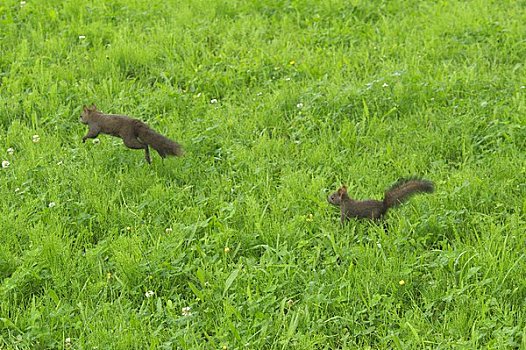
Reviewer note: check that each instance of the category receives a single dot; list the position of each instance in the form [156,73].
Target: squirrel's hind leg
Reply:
[147,155]
[134,143]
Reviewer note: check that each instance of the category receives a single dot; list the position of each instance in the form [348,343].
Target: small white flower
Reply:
[36,138]
[60,162]
[22,3]
[10,150]
[168,230]
[82,37]
[299,105]
[17,189]
[67,342]
[186,311]
[5,164]
[214,100]
[149,294]
[523,87]
[385,85]
[51,204]
[95,141]
[287,79]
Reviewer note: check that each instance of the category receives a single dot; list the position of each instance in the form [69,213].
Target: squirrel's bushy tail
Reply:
[163,145]
[405,188]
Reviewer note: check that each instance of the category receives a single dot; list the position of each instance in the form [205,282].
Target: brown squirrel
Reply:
[134,133]
[373,209]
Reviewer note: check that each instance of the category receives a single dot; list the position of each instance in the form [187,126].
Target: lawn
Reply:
[277,104]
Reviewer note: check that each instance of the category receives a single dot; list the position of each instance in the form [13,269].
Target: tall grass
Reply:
[277,103]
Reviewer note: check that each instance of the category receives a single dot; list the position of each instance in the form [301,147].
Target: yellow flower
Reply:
[402,282]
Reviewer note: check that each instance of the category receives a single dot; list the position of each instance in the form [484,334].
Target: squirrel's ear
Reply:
[342,190]
[93,107]
[84,107]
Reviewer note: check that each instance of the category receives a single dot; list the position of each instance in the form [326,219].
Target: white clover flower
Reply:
[214,100]
[36,138]
[67,342]
[10,150]
[299,105]
[51,204]
[149,294]
[82,37]
[186,311]
[5,164]
[168,230]
[22,3]
[385,85]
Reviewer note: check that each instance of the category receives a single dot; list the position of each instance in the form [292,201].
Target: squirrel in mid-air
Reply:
[134,133]
[373,209]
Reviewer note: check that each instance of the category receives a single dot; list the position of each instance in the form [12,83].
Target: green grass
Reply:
[310,94]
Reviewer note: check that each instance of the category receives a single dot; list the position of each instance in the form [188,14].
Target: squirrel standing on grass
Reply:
[373,209]
[134,133]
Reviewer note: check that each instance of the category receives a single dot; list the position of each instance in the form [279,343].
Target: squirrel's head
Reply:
[336,197]
[86,112]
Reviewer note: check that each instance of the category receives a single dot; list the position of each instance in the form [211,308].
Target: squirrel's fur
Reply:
[374,209]
[134,133]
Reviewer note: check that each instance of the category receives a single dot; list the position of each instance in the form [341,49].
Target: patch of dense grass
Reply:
[277,104]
